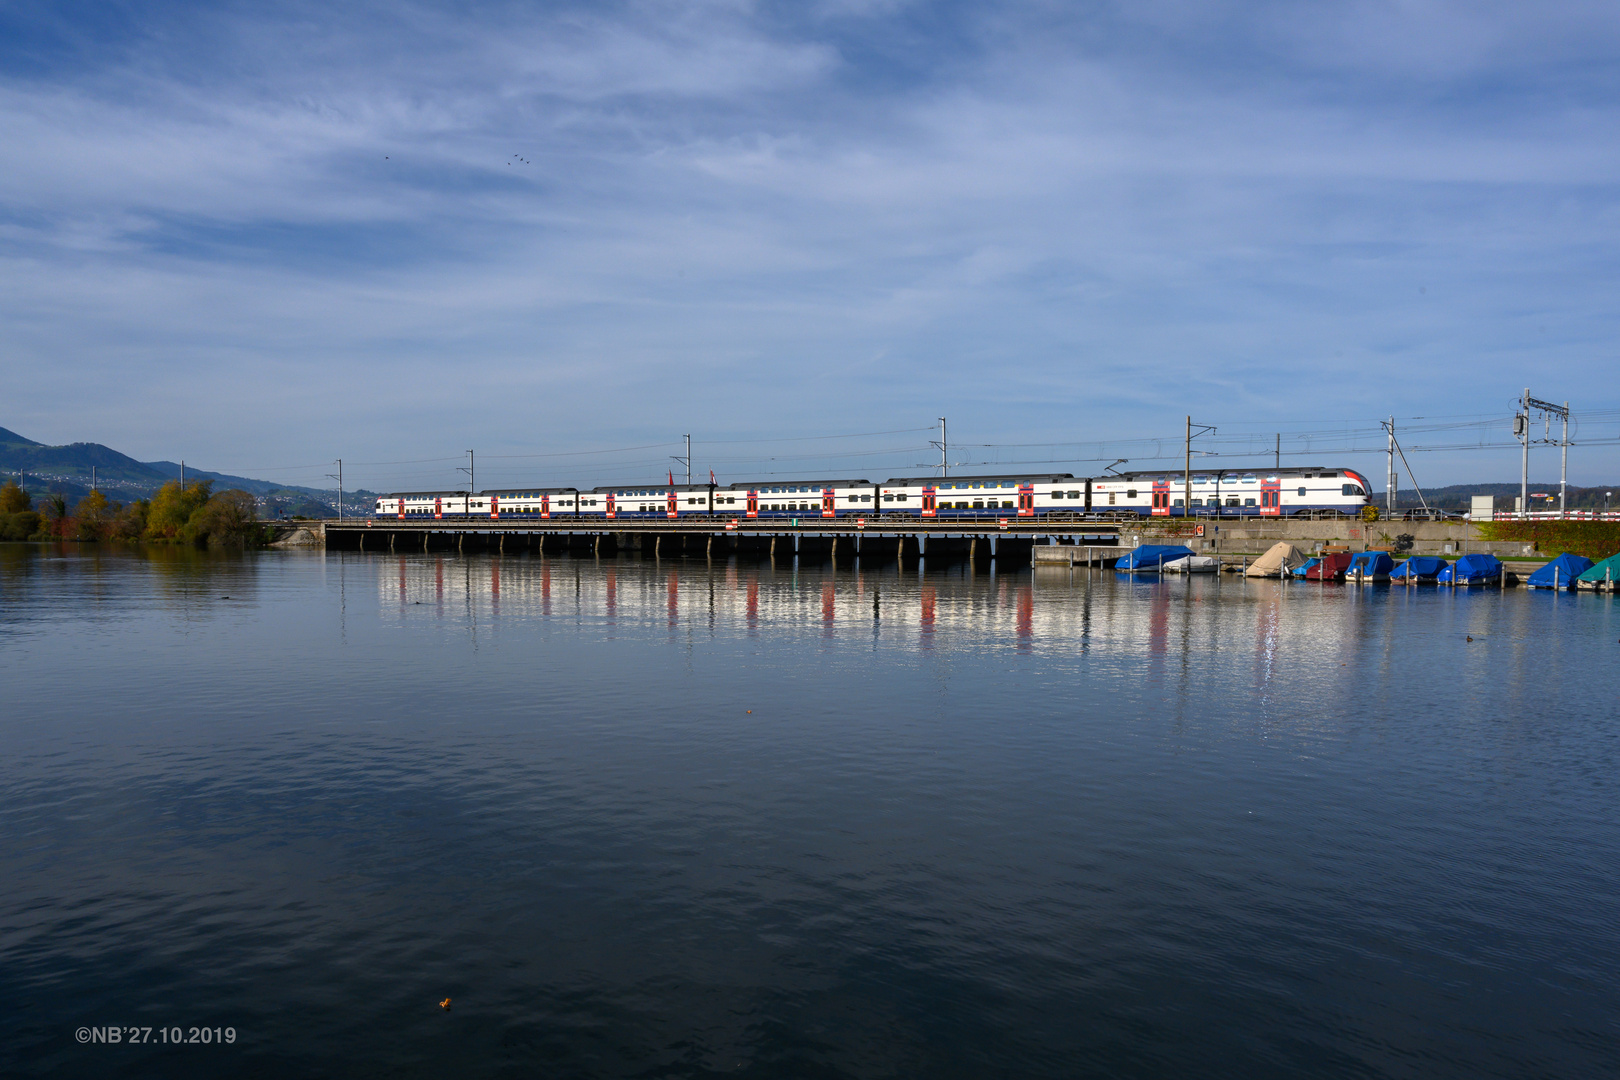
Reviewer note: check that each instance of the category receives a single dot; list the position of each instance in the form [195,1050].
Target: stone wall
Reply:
[1255,536]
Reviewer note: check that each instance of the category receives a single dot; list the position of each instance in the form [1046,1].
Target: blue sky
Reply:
[265,236]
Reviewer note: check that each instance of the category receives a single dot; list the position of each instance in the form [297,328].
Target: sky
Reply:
[262,237]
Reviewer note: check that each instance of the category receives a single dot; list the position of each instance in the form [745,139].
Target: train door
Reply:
[753,504]
[545,506]
[827,507]
[494,508]
[1026,500]
[669,505]
[611,511]
[402,509]
[1271,496]
[438,507]
[1161,498]
[1088,495]
[928,502]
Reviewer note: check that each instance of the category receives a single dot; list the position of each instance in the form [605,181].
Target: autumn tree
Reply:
[13,499]
[92,516]
[229,519]
[172,507]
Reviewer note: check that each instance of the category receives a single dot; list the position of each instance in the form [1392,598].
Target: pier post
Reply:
[362,541]
[657,541]
[973,551]
[424,541]
[596,549]
[461,540]
[500,545]
[708,548]
[390,543]
[834,553]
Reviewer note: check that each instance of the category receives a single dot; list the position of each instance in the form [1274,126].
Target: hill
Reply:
[68,470]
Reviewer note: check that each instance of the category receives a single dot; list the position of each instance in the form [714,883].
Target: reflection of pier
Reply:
[838,542]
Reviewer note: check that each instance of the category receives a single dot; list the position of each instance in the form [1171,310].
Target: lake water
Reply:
[671,820]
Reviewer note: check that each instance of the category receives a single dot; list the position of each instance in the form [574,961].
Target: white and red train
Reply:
[1061,496]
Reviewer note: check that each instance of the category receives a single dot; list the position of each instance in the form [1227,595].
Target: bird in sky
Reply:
[445,1004]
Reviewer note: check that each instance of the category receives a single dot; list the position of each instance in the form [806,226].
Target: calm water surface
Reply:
[654,820]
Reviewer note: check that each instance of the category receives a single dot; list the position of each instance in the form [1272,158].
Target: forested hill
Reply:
[67,469]
[75,459]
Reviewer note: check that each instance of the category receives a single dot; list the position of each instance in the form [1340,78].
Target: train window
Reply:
[1176,502]
[1130,493]
[1231,502]
[1302,493]
[978,504]
[1057,494]
[1248,502]
[901,497]
[854,498]
[1353,489]
[866,498]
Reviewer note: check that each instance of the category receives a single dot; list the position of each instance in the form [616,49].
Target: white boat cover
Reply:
[1281,559]
[1192,564]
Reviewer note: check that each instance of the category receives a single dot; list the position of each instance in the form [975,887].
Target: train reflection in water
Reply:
[1058,610]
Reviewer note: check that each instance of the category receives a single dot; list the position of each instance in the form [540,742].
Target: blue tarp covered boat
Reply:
[1472,570]
[1152,556]
[1370,566]
[1418,568]
[1561,572]
[1305,567]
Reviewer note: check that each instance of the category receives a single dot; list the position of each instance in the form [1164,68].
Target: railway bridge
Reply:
[836,540]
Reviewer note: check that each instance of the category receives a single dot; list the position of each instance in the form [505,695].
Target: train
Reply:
[1290,492]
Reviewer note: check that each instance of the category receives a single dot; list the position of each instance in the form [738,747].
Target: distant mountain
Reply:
[1460,496]
[68,470]
[73,460]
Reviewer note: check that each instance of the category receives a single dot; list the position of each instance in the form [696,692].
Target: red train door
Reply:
[928,502]
[1271,496]
[438,507]
[1161,498]
[1026,500]
[827,508]
[670,504]
[402,509]
[545,506]
[610,510]
[494,508]
[753,504]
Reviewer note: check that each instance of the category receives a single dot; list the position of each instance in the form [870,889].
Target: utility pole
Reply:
[1277,463]
[1521,428]
[472,477]
[1393,482]
[944,458]
[689,461]
[1186,478]
[1563,470]
[183,469]
[338,476]
[1522,422]
[92,478]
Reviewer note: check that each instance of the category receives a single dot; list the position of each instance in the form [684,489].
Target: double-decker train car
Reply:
[1231,493]
[1057,496]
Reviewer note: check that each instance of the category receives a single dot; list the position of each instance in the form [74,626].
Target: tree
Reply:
[57,521]
[228,519]
[173,506]
[13,499]
[93,513]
